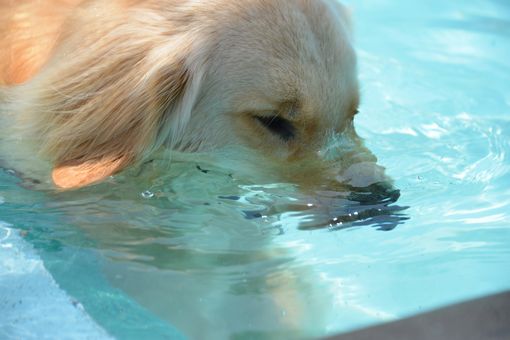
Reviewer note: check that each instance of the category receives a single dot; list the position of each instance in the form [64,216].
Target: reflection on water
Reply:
[194,243]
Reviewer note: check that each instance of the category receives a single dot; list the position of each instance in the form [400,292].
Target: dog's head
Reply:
[281,78]
[277,76]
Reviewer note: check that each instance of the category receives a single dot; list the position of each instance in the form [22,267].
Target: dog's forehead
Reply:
[288,51]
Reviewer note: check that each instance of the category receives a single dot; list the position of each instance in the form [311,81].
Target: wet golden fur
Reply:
[94,86]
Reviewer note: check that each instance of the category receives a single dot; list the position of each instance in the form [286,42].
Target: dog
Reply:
[89,87]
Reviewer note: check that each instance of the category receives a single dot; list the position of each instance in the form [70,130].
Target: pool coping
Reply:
[32,304]
[483,318]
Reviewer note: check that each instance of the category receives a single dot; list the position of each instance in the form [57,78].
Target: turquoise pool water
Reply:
[204,253]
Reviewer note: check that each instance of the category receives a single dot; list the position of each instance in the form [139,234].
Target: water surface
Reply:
[206,252]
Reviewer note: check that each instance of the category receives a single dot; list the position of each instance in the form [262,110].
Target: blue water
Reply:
[210,254]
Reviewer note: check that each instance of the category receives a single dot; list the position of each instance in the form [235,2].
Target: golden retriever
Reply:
[90,87]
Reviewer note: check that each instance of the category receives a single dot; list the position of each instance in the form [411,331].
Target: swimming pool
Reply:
[203,253]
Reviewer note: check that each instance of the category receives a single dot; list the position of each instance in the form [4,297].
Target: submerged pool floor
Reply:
[205,254]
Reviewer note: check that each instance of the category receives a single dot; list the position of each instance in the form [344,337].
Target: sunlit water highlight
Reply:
[207,253]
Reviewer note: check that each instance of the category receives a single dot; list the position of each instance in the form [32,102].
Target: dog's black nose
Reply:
[377,193]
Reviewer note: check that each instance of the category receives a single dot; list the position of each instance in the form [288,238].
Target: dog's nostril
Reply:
[281,127]
[381,192]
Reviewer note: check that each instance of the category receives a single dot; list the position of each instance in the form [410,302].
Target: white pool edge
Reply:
[32,305]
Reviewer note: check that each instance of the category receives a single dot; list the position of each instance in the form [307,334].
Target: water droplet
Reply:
[147,194]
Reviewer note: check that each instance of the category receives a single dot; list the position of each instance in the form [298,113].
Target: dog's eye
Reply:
[278,126]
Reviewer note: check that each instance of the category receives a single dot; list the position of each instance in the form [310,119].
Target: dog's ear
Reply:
[76,174]
[118,125]
[104,107]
